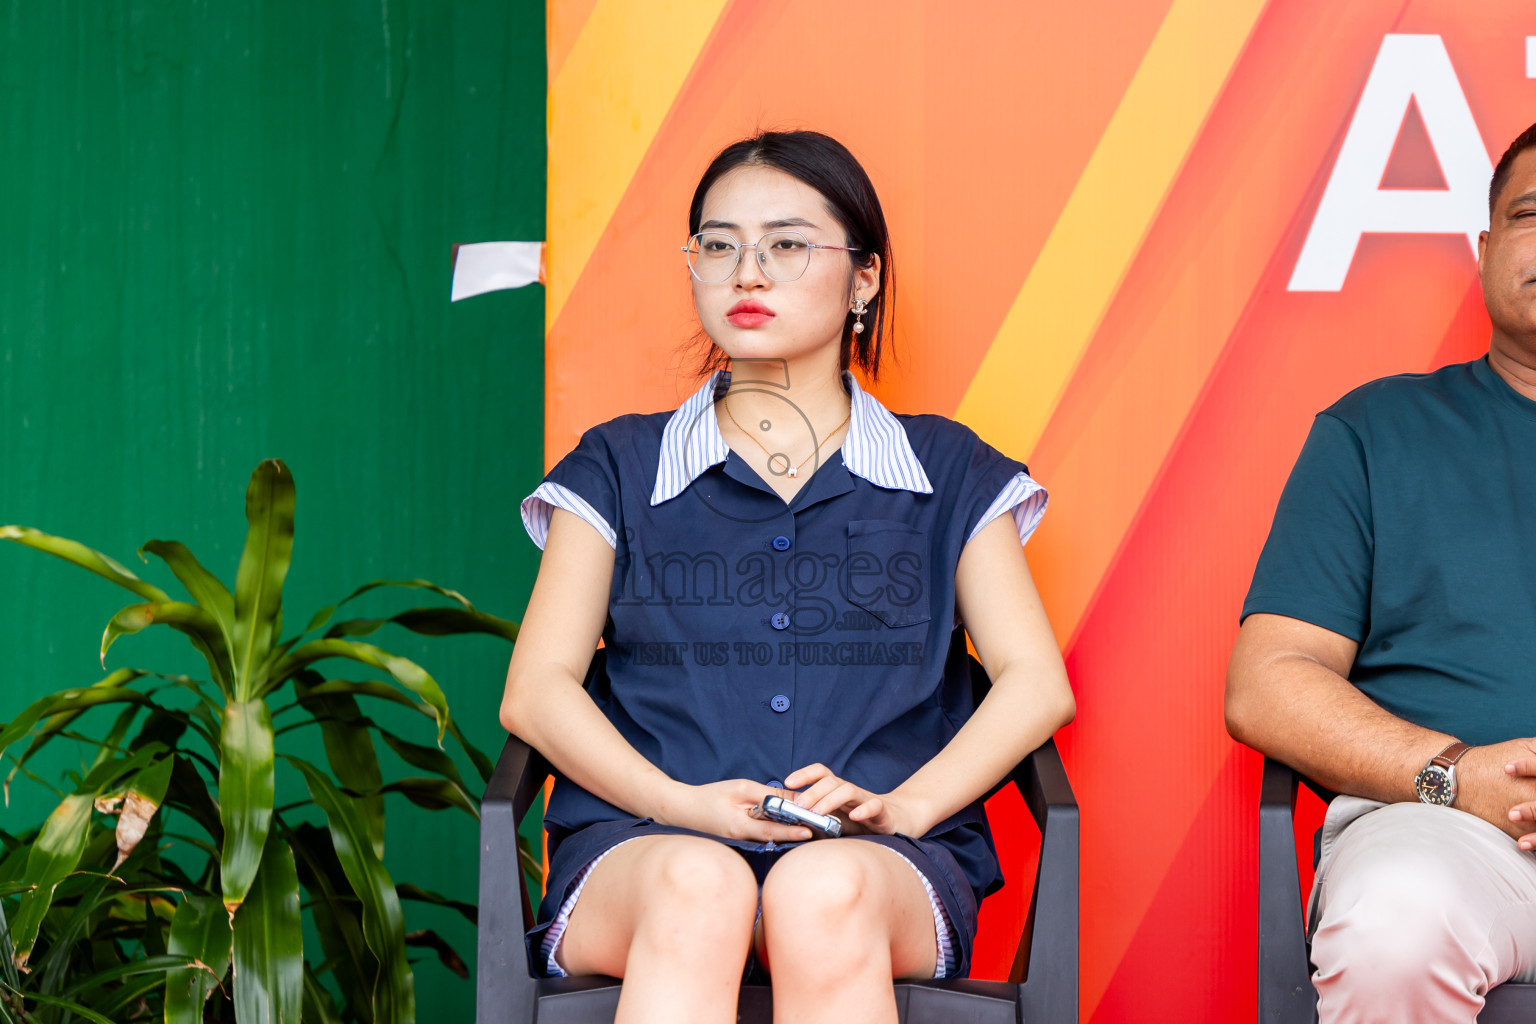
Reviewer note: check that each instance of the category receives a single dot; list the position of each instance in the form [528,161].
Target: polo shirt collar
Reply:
[876,448]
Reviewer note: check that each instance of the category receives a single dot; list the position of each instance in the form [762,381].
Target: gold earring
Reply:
[858,316]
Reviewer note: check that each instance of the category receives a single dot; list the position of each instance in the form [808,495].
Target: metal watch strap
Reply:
[1451,754]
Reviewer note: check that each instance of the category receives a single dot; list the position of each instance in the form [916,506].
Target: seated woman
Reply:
[776,569]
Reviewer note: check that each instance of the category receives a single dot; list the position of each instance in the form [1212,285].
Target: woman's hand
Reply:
[858,808]
[728,809]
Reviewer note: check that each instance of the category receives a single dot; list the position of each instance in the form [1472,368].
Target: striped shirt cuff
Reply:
[1025,498]
[539,506]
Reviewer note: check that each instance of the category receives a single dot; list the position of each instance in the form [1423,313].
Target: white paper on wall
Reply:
[481,267]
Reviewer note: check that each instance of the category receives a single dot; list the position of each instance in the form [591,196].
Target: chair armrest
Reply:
[504,988]
[1047,958]
[1286,995]
[1042,781]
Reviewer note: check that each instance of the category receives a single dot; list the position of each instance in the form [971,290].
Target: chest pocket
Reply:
[887,571]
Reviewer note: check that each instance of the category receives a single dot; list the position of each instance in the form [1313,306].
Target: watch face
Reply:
[1435,786]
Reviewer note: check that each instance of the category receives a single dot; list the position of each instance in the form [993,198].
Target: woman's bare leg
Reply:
[841,919]
[672,916]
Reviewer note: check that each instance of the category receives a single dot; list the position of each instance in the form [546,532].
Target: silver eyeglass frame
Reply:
[688,248]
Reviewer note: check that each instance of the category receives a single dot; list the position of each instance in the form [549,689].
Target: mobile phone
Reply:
[787,812]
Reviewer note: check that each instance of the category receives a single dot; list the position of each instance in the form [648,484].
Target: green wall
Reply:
[225,234]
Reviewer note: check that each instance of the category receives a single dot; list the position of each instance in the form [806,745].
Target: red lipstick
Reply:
[747,313]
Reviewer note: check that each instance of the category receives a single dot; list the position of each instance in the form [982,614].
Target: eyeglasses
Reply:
[781,255]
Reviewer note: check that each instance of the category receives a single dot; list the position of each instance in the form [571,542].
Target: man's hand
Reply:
[1520,769]
[1498,784]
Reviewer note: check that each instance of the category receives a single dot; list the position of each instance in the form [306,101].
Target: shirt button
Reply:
[780,620]
[775,783]
[781,543]
[779,703]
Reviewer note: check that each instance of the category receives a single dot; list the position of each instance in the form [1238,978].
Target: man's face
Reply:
[1506,263]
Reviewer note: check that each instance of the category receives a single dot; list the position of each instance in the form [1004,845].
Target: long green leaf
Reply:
[167,964]
[163,726]
[246,787]
[340,930]
[384,691]
[62,708]
[78,897]
[108,771]
[349,750]
[86,1012]
[192,686]
[188,793]
[434,794]
[446,954]
[125,996]
[428,759]
[55,854]
[404,671]
[199,930]
[206,589]
[148,905]
[319,1007]
[324,615]
[78,554]
[63,701]
[200,627]
[269,506]
[469,911]
[8,972]
[431,622]
[394,997]
[269,943]
[168,726]
[76,900]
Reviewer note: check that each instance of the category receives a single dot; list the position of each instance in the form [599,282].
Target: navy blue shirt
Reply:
[748,637]
[1409,526]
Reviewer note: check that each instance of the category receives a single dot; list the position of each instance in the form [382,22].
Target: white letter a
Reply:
[1407,68]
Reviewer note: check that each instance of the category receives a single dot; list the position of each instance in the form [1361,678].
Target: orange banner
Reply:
[1139,244]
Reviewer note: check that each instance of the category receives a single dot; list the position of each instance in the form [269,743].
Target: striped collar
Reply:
[876,447]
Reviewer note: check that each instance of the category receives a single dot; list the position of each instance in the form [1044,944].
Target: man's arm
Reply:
[1288,696]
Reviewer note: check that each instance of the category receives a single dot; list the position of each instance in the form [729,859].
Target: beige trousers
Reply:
[1416,913]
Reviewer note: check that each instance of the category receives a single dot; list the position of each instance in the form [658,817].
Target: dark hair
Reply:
[1524,141]
[825,165]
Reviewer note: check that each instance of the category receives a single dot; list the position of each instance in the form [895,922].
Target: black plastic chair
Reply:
[1043,985]
[1286,995]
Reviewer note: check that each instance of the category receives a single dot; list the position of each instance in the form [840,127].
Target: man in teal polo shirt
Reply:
[1388,651]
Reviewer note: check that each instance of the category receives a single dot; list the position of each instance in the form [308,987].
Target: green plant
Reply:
[109,914]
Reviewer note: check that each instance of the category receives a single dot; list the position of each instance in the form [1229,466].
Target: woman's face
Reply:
[751,316]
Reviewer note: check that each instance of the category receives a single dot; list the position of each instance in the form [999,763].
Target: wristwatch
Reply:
[1436,783]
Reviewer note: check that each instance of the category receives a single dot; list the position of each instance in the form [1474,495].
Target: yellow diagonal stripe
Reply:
[1094,240]
[605,106]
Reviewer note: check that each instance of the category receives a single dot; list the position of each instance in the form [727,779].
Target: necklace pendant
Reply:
[793,472]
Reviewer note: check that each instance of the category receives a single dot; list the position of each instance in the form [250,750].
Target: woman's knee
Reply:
[668,899]
[844,909]
[822,886]
[691,877]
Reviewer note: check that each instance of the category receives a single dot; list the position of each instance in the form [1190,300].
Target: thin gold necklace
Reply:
[794,471]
